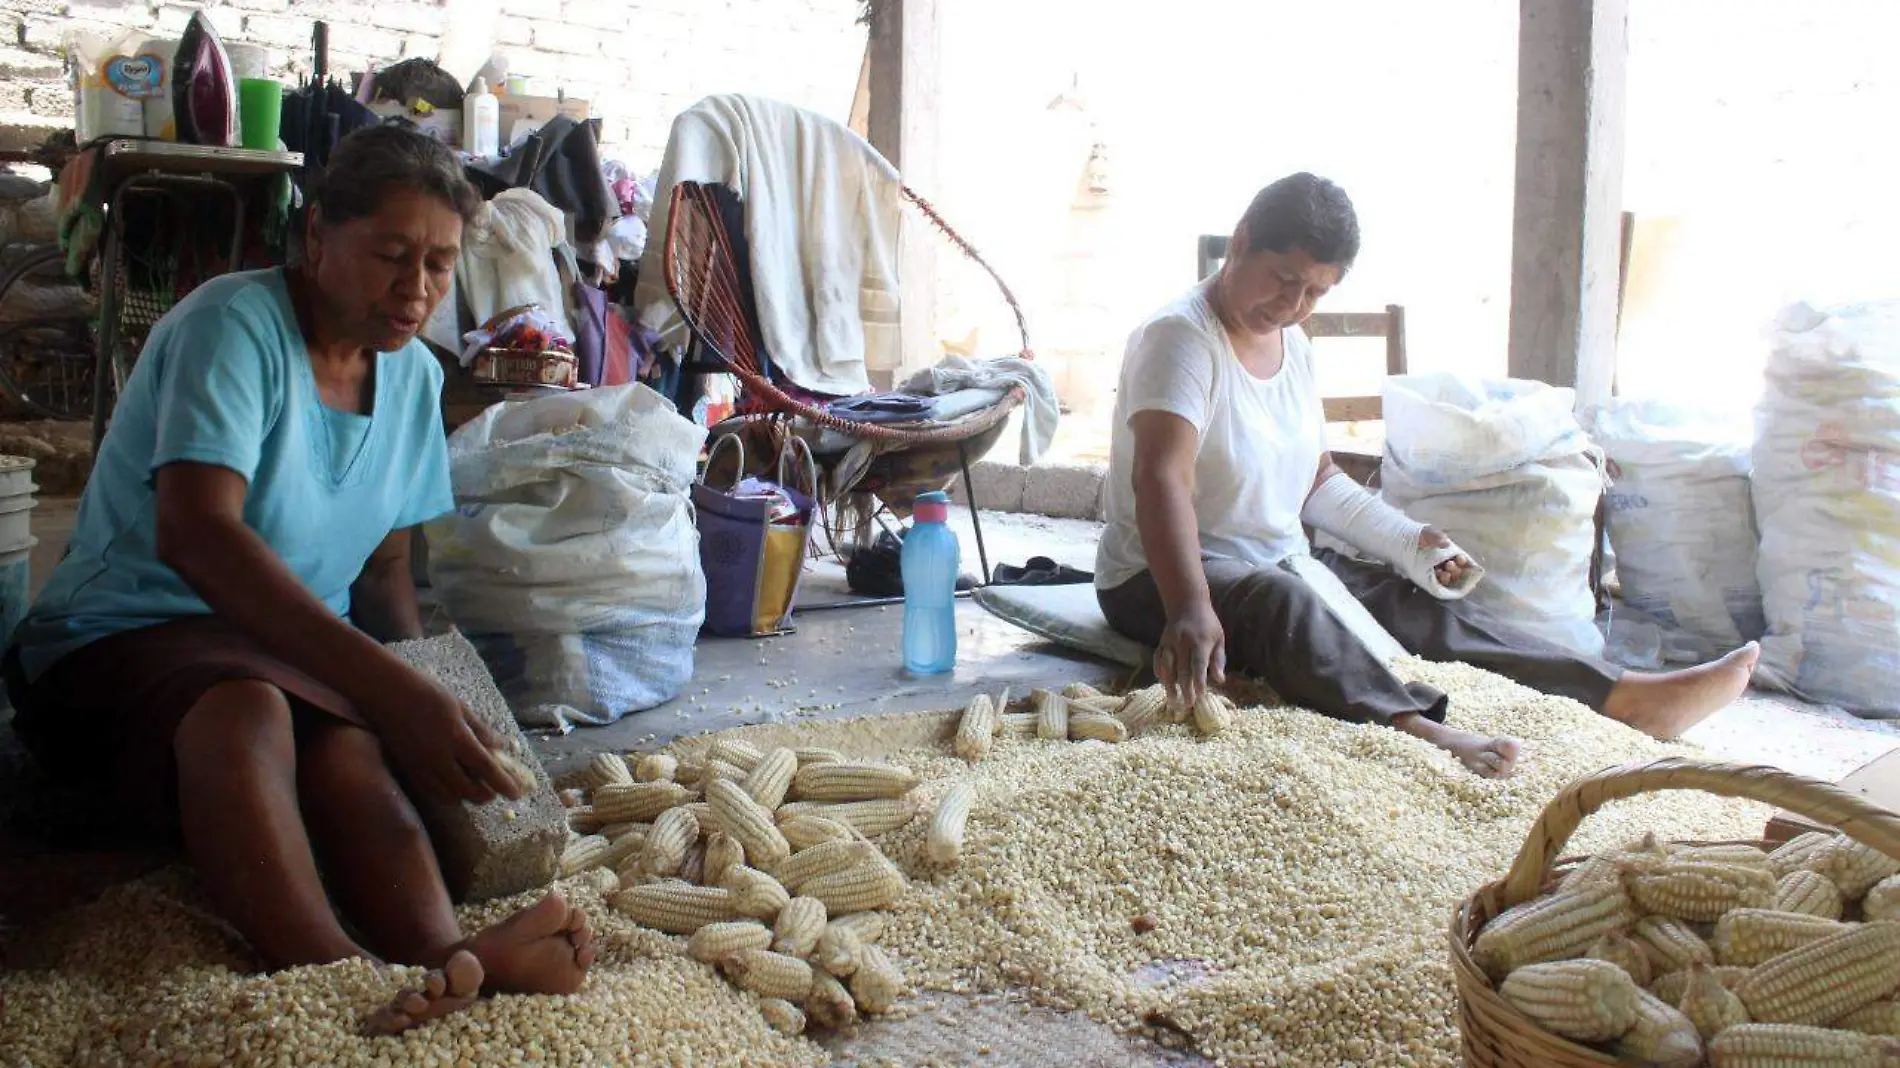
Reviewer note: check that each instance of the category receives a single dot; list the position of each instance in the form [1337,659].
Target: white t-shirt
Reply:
[1260,439]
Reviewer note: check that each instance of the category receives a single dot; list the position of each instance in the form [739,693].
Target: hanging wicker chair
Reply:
[706,279]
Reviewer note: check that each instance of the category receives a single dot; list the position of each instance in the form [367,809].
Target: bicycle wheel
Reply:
[45,364]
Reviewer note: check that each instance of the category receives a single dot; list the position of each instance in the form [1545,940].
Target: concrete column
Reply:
[902,120]
[1567,224]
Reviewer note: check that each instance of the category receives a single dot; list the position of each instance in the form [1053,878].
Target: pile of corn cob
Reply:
[763,858]
[1670,954]
[1081,712]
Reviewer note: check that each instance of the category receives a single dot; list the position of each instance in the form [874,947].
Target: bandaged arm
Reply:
[1348,511]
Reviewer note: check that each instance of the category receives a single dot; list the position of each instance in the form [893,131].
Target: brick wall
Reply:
[639,61]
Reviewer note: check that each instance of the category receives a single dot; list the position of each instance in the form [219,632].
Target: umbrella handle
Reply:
[320,44]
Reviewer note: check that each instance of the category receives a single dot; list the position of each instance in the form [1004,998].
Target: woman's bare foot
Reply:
[1667,704]
[545,948]
[447,989]
[1490,758]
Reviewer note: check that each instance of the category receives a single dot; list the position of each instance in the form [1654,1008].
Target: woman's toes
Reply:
[585,957]
[435,984]
[463,973]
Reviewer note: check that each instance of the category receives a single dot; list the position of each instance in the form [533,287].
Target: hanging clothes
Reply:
[515,254]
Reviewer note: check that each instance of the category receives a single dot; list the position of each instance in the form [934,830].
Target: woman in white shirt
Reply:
[1218,459]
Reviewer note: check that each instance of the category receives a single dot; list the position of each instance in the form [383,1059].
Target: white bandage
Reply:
[1356,516]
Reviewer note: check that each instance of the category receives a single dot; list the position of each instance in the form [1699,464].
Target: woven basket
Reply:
[1495,1034]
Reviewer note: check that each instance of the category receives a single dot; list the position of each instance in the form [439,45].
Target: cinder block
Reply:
[532,9]
[1068,491]
[600,14]
[373,43]
[510,30]
[54,100]
[278,30]
[407,17]
[504,847]
[566,39]
[999,486]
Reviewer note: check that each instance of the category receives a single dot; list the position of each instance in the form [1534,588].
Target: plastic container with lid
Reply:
[929,561]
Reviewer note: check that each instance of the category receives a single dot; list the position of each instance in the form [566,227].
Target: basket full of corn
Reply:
[1733,954]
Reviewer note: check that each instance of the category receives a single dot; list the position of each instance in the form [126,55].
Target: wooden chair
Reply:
[1363,466]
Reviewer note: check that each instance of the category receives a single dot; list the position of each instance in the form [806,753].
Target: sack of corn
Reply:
[1737,954]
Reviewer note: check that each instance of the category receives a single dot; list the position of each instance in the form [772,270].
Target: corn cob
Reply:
[768,974]
[572,797]
[666,844]
[690,769]
[1052,715]
[977,729]
[1825,980]
[1671,945]
[716,941]
[1747,856]
[839,949]
[870,885]
[1811,894]
[1700,892]
[1624,952]
[868,818]
[703,812]
[1105,705]
[1017,725]
[830,1003]
[1709,1005]
[1096,726]
[1796,852]
[656,767]
[852,781]
[868,926]
[581,819]
[1748,937]
[723,853]
[825,858]
[755,893]
[637,802]
[1855,867]
[1883,901]
[748,823]
[1661,1035]
[1592,871]
[623,847]
[1673,986]
[944,843]
[616,831]
[523,776]
[1756,1045]
[1880,1018]
[735,752]
[589,851]
[1080,691]
[605,769]
[1588,1000]
[720,769]
[804,831]
[1143,708]
[816,755]
[782,1016]
[877,984]
[1212,713]
[800,924]
[674,907]
[693,865]
[768,782]
[1550,928]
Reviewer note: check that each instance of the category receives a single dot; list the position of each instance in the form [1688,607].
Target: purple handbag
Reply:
[753,537]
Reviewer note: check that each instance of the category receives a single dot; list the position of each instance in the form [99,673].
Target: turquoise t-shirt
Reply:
[225,379]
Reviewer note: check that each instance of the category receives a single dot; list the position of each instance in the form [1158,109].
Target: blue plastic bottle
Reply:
[930,563]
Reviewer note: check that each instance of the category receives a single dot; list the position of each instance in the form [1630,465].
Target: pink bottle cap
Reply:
[932,507]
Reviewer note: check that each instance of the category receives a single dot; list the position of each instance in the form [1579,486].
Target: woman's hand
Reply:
[1451,572]
[1192,653]
[441,748]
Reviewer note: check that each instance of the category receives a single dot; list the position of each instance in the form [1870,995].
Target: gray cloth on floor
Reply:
[956,373]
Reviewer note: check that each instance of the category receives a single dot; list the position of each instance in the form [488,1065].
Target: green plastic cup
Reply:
[260,110]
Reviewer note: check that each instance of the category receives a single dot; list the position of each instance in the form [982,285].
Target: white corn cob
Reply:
[756,894]
[1825,980]
[839,949]
[656,767]
[1587,1000]
[1661,1035]
[1747,856]
[799,926]
[1672,946]
[1709,1005]
[523,776]
[637,802]
[782,1016]
[1811,893]
[944,842]
[830,1003]
[877,984]
[716,941]
[817,755]
[1052,715]
[581,819]
[666,844]
[767,783]
[1758,1045]
[1107,706]
[1673,986]
[852,781]
[870,885]
[1080,691]
[693,865]
[977,729]
[1213,713]
[1855,867]
[674,907]
[1880,1018]
[1551,928]
[748,822]
[1017,725]
[1747,937]
[805,830]
[1883,901]
[1144,708]
[868,926]
[624,846]
[768,974]
[1096,726]
[825,858]
[1624,952]
[735,752]
[589,851]
[1700,892]
[604,769]
[868,818]
[1797,852]
[720,769]
[723,853]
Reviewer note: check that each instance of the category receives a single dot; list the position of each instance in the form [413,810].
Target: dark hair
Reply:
[1307,212]
[367,164]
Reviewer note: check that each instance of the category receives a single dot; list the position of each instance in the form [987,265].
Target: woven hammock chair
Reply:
[706,279]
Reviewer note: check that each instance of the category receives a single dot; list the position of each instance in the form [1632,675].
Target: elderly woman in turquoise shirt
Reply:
[214,639]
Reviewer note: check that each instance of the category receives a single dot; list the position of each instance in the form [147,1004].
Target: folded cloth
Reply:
[953,406]
[882,408]
[956,373]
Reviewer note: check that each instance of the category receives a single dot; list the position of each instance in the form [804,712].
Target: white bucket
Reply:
[16,503]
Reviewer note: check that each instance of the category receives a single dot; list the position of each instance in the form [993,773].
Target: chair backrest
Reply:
[1211,251]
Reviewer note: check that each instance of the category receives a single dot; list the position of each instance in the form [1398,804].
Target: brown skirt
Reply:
[107,711]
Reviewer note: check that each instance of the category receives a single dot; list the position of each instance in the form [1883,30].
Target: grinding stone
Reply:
[483,851]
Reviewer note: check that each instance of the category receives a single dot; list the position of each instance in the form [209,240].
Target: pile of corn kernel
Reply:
[1297,871]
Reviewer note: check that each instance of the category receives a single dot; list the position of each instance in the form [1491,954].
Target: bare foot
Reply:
[1490,758]
[447,989]
[1667,704]
[545,948]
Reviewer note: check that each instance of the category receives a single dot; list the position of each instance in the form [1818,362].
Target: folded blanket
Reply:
[956,373]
